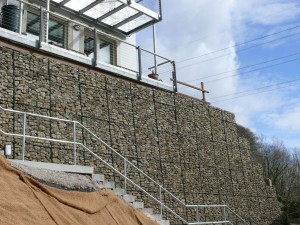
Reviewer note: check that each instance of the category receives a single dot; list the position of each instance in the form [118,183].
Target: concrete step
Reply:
[164,222]
[138,205]
[58,167]
[129,198]
[157,217]
[108,184]
[119,191]
[98,177]
[148,211]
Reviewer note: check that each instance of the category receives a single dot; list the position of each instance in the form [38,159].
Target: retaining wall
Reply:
[193,150]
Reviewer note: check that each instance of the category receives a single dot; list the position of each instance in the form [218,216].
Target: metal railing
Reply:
[122,172]
[44,26]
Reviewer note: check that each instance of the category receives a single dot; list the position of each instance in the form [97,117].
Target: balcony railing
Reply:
[95,47]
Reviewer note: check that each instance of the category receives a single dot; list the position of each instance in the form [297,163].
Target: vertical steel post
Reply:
[24,136]
[203,92]
[125,176]
[197,214]
[139,77]
[96,47]
[160,10]
[224,213]
[154,48]
[47,21]
[42,27]
[160,199]
[174,77]
[21,6]
[75,143]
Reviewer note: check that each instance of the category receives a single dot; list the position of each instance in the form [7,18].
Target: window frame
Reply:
[111,42]
[64,23]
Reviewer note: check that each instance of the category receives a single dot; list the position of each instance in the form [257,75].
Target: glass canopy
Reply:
[125,16]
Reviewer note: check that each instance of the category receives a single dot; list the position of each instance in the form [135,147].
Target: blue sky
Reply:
[258,81]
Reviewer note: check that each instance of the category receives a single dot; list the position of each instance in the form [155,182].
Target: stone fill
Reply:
[192,150]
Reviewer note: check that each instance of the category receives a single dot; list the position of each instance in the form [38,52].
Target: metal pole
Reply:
[96,46]
[47,21]
[174,77]
[154,47]
[160,10]
[21,6]
[197,214]
[75,143]
[203,91]
[24,136]
[42,28]
[125,175]
[160,199]
[139,77]
[224,213]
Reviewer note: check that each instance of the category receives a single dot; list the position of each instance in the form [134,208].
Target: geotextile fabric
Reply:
[25,201]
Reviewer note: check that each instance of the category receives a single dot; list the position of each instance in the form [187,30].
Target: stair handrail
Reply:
[126,161]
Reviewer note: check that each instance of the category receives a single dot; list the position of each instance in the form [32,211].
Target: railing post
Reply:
[160,10]
[47,21]
[197,214]
[224,213]
[96,47]
[125,175]
[160,199]
[139,77]
[24,136]
[154,47]
[42,27]
[75,142]
[21,5]
[174,77]
[203,92]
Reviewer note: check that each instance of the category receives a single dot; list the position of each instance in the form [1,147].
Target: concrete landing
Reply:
[57,167]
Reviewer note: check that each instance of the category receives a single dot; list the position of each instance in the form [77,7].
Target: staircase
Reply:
[123,174]
[130,199]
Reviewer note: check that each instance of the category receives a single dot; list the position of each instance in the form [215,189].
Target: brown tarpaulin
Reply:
[25,201]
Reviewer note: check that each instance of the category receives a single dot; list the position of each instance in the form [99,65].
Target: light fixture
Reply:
[76,27]
[7,150]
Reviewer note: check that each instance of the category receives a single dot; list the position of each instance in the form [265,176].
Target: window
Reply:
[57,29]
[106,49]
[56,34]
[106,52]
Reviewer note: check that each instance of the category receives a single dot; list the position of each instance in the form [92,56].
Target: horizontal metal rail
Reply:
[75,143]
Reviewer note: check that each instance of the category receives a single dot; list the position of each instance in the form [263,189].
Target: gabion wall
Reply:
[194,151]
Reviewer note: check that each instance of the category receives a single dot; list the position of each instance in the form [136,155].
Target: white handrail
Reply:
[75,143]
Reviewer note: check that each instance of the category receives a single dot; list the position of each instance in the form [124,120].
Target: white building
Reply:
[96,32]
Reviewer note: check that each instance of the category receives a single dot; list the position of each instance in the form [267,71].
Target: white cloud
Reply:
[287,120]
[267,12]
[192,28]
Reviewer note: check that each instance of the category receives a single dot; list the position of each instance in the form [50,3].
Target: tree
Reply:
[280,165]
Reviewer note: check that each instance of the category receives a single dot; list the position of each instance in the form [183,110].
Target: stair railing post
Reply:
[24,136]
[74,143]
[125,175]
[197,214]
[160,200]
[224,213]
